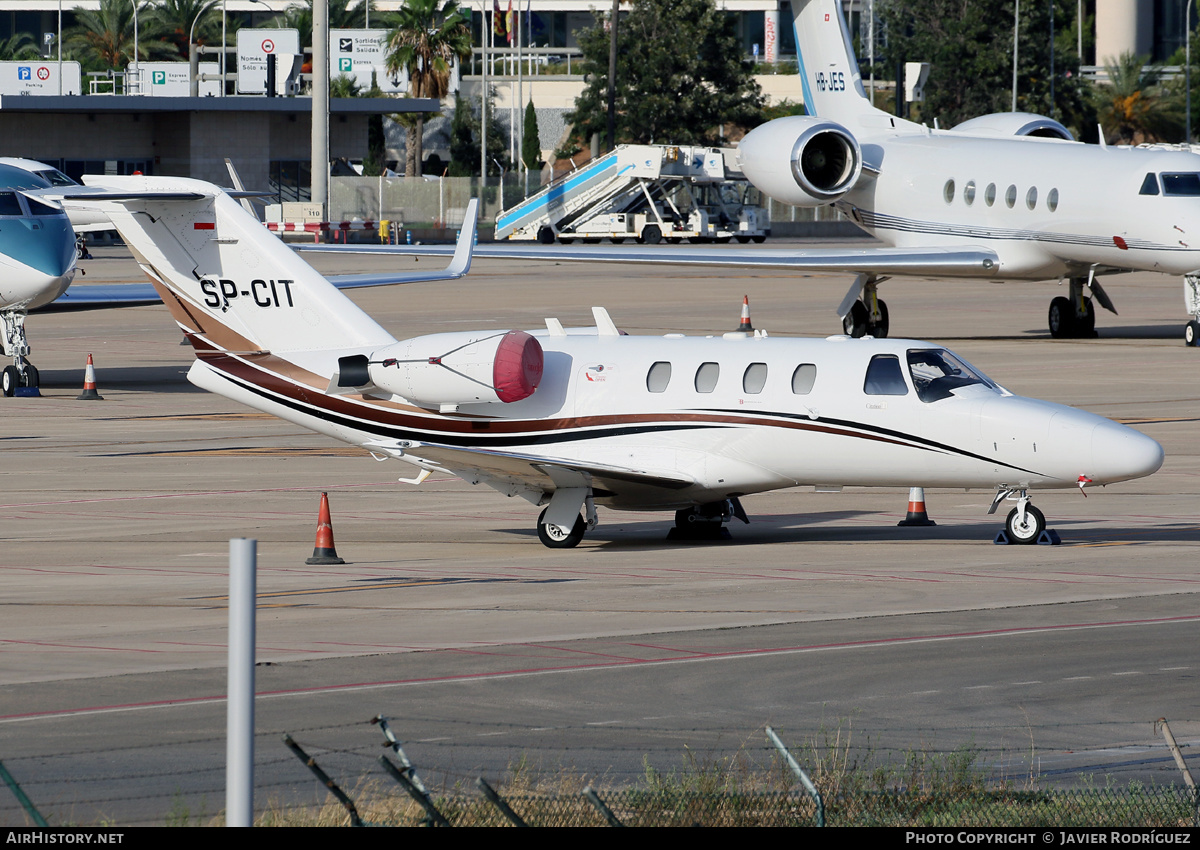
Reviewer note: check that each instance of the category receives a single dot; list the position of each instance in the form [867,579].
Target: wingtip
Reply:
[461,264]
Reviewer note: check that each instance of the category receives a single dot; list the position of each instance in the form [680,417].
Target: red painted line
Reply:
[200,493]
[534,671]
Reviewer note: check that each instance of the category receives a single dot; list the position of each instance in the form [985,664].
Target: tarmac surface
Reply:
[485,648]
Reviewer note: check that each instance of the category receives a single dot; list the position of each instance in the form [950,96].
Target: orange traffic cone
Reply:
[89,384]
[324,552]
[744,325]
[916,508]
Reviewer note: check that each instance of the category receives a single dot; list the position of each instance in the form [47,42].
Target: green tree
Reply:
[531,145]
[1134,107]
[102,39]
[680,75]
[424,39]
[464,140]
[19,46]
[175,18]
[342,15]
[968,44]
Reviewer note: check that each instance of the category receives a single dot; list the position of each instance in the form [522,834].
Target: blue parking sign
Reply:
[25,72]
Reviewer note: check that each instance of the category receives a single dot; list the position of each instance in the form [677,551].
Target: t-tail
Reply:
[830,79]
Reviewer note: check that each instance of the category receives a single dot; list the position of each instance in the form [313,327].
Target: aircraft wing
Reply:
[537,471]
[933,262]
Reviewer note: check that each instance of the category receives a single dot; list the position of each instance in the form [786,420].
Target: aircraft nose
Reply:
[1120,453]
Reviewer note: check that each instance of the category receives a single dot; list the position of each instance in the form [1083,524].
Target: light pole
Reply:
[1187,69]
[137,70]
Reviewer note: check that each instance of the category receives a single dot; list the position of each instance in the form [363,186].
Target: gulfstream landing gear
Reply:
[1191,297]
[863,312]
[707,521]
[567,527]
[22,374]
[1075,317]
[1025,523]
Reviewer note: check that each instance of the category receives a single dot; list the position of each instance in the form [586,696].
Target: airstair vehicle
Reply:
[644,192]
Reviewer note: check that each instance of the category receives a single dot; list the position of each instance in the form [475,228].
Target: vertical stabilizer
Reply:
[829,73]
[230,283]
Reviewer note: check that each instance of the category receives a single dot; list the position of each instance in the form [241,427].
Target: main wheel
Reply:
[1061,318]
[557,537]
[31,377]
[880,330]
[854,323]
[651,234]
[9,380]
[1028,531]
[1191,333]
[1085,325]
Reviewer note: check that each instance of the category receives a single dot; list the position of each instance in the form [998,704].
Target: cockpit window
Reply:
[38,208]
[55,177]
[936,373]
[884,376]
[9,205]
[1186,184]
[1150,185]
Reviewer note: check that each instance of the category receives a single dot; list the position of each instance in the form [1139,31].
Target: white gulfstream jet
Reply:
[1008,196]
[575,418]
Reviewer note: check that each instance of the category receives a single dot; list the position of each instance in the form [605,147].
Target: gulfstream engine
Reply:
[802,161]
[1015,124]
[444,370]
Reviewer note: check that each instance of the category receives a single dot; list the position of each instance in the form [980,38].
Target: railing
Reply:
[534,62]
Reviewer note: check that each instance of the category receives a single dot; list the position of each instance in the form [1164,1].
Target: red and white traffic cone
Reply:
[89,384]
[324,552]
[744,325]
[916,508]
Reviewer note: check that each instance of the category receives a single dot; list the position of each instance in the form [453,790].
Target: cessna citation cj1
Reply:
[572,418]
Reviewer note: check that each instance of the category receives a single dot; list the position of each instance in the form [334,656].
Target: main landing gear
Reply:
[560,526]
[1025,523]
[1075,317]
[707,521]
[1191,297]
[22,374]
[863,312]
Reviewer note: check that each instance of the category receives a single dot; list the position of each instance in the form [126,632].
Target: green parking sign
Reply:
[159,78]
[345,64]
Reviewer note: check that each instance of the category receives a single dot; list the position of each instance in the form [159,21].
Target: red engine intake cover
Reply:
[517,370]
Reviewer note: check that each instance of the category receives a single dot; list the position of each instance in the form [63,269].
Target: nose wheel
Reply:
[1025,526]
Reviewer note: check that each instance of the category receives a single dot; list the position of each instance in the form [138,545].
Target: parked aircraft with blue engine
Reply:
[570,419]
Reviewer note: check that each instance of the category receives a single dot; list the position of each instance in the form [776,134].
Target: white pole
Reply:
[225,43]
[239,719]
[483,41]
[1016,32]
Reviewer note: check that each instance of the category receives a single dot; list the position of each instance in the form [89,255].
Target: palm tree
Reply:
[103,38]
[425,38]
[1134,108]
[179,18]
[19,46]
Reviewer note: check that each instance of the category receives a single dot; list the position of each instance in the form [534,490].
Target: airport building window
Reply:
[1031,197]
[989,194]
[1052,200]
[658,377]
[1010,197]
[948,192]
[803,378]
[706,377]
[1150,185]
[969,192]
[884,376]
[755,378]
[1181,185]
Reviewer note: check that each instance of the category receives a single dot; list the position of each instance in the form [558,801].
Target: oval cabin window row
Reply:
[970,191]
[708,376]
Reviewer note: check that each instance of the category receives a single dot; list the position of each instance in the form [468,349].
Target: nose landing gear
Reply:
[1025,523]
[22,375]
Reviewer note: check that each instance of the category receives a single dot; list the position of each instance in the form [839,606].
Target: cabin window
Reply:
[1010,197]
[803,378]
[658,377]
[1031,198]
[948,192]
[989,194]
[9,205]
[706,377]
[969,192]
[1052,200]
[1150,185]
[755,378]
[884,376]
[936,373]
[1181,185]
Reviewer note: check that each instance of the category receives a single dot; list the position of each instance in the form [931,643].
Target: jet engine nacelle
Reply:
[801,160]
[1015,124]
[441,370]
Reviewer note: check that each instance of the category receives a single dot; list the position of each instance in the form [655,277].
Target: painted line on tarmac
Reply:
[200,493]
[691,658]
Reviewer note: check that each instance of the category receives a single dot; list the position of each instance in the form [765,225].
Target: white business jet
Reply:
[572,418]
[1008,196]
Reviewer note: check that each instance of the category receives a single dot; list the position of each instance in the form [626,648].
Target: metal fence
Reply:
[1147,807]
